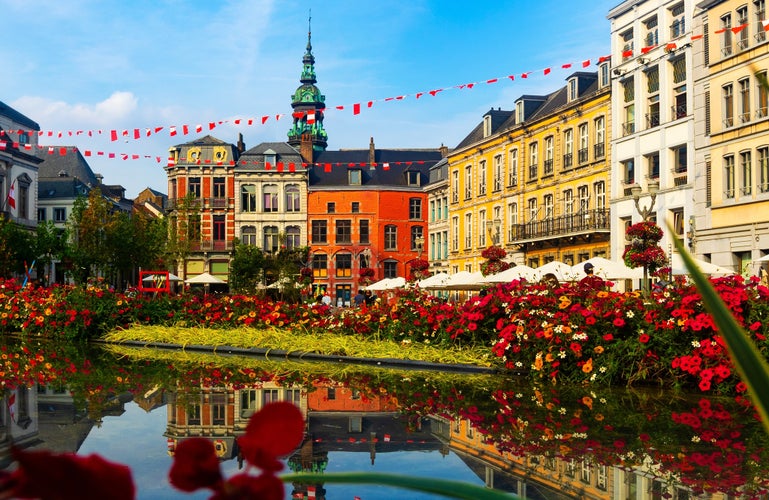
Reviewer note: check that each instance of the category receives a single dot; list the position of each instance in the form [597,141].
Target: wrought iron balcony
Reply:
[587,222]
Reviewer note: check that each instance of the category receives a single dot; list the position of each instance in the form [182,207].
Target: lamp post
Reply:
[493,227]
[652,187]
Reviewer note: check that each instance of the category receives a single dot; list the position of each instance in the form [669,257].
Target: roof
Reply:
[206,140]
[17,117]
[254,158]
[398,162]
[72,165]
[60,188]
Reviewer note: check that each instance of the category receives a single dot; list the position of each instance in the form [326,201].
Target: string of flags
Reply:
[311,116]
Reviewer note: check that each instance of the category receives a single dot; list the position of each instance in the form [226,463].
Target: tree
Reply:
[50,245]
[247,269]
[87,226]
[16,248]
[183,231]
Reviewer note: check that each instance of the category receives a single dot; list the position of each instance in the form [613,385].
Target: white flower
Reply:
[562,411]
[695,439]
[695,343]
[630,314]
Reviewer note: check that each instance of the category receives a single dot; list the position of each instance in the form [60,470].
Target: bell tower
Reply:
[308,106]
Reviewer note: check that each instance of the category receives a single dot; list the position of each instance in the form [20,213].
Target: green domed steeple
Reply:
[305,99]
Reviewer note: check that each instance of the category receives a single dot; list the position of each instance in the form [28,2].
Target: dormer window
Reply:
[412,178]
[355,177]
[270,157]
[486,125]
[519,112]
[572,89]
[603,75]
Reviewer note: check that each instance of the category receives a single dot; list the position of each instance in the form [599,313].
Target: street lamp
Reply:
[419,242]
[652,187]
[493,227]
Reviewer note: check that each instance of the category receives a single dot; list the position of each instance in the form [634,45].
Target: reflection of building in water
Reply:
[18,421]
[553,477]
[222,413]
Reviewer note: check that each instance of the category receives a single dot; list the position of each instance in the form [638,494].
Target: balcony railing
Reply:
[679,111]
[588,221]
[568,158]
[599,150]
[582,155]
[211,246]
[652,120]
[628,128]
[547,167]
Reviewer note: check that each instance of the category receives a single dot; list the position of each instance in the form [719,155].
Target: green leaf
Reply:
[449,489]
[751,365]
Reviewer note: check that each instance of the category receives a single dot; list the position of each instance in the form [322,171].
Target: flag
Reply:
[12,405]
[311,117]
[311,492]
[12,195]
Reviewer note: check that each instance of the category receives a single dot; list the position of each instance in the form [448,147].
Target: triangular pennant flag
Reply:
[280,166]
[113,135]
[185,129]
[627,53]
[172,130]
[356,108]
[739,28]
[198,128]
[211,125]
[547,71]
[586,63]
[327,167]
[511,77]
[419,94]
[311,117]
[386,166]
[646,50]
[292,167]
[493,80]
[566,66]
[765,24]
[370,103]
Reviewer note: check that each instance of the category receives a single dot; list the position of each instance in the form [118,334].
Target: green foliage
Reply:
[16,248]
[247,269]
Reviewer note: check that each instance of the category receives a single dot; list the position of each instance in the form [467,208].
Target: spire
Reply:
[308,103]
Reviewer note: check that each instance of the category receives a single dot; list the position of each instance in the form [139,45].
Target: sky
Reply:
[102,65]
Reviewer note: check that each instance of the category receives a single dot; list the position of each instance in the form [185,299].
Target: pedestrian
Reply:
[326,299]
[359,298]
[591,280]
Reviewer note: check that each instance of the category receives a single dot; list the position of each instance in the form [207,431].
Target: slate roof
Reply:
[17,117]
[399,160]
[72,165]
[254,158]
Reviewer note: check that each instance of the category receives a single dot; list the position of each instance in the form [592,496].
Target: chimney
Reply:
[371,152]
[444,151]
[241,144]
[305,148]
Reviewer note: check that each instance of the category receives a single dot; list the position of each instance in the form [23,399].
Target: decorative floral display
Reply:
[494,263]
[366,276]
[419,270]
[643,250]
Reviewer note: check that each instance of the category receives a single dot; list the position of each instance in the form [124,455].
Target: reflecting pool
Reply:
[135,405]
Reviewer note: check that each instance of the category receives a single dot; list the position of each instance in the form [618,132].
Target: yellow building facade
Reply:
[535,180]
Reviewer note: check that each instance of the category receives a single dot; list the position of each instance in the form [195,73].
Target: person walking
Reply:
[591,280]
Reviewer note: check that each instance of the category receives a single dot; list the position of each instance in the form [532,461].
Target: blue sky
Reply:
[102,65]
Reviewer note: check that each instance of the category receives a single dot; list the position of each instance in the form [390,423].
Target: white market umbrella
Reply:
[387,284]
[464,280]
[679,268]
[765,258]
[171,277]
[562,271]
[379,285]
[204,279]
[518,272]
[434,281]
[608,269]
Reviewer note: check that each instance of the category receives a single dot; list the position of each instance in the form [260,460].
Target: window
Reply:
[583,143]
[547,164]
[628,93]
[331,394]
[568,148]
[270,195]
[679,87]
[41,214]
[482,178]
[746,173]
[743,36]
[343,231]
[319,231]
[390,269]
[59,214]
[271,239]
[293,237]
[626,43]
[293,203]
[744,99]
[432,210]
[364,259]
[568,202]
[248,198]
[512,214]
[468,231]
[653,165]
[481,229]
[355,207]
[762,96]
[651,39]
[729,176]
[519,112]
[763,169]
[454,186]
[343,265]
[603,75]
[391,237]
[355,177]
[219,187]
[319,265]
[728,105]
[363,231]
[497,173]
[571,89]
[512,179]
[486,125]
[677,216]
[412,178]
[599,188]
[193,413]
[330,207]
[726,41]
[194,187]
[628,168]
[759,7]
[533,158]
[678,26]
[600,138]
[417,232]
[193,229]
[679,159]
[468,182]
[219,228]
[583,198]
[533,209]
[248,235]
[653,99]
[455,233]
[415,209]
[218,409]
[549,206]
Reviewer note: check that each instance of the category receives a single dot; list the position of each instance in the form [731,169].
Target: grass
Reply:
[297,342]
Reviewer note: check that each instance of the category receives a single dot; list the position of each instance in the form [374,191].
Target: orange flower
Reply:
[598,349]
[587,401]
[588,366]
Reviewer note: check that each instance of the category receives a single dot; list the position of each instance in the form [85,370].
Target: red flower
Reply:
[274,431]
[66,476]
[643,338]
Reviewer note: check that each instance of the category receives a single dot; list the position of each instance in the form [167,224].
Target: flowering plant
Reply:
[494,263]
[419,269]
[365,276]
[306,275]
[643,250]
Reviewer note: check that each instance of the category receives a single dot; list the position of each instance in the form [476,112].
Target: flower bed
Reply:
[570,334]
